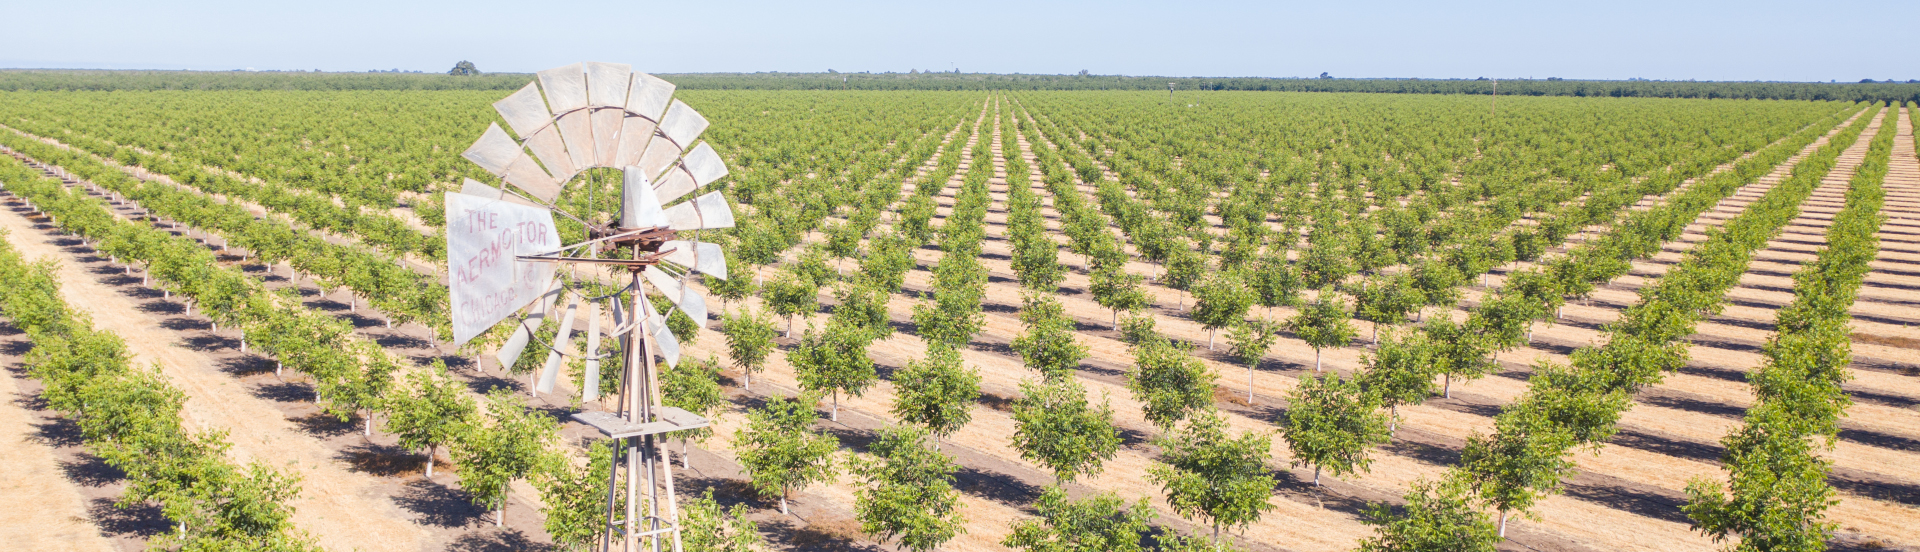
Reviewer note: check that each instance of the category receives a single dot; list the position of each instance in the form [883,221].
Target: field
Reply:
[1606,305]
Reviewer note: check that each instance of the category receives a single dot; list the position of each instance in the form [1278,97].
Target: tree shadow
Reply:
[817,536]
[382,460]
[1667,446]
[437,505]
[1878,439]
[285,391]
[1626,499]
[1683,401]
[324,425]
[497,540]
[161,306]
[143,520]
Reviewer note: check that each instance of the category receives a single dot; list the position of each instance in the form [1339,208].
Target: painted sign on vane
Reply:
[487,283]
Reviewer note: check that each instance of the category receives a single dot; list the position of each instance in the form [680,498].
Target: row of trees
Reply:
[1777,480]
[131,418]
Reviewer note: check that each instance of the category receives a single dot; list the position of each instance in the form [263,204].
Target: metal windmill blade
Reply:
[504,251]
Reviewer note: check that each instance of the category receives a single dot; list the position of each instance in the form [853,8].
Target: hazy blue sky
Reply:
[1660,39]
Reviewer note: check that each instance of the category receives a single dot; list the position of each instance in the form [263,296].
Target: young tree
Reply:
[1220,301]
[1387,300]
[907,492]
[1331,424]
[575,499]
[1210,475]
[1439,517]
[1118,291]
[1055,426]
[952,318]
[729,289]
[790,295]
[1776,491]
[1102,522]
[749,341]
[1325,265]
[780,449]
[1398,373]
[887,263]
[1168,381]
[863,309]
[706,527]
[936,392]
[1457,351]
[1184,269]
[513,444]
[693,386]
[1524,460]
[359,390]
[1323,323]
[1275,282]
[833,361]
[1251,339]
[431,413]
[1048,344]
[1438,282]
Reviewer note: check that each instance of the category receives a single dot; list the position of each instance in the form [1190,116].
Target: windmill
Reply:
[504,254]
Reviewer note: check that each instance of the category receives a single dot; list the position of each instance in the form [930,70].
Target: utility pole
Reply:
[1495,107]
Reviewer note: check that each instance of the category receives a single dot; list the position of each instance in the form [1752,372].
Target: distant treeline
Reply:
[34,79]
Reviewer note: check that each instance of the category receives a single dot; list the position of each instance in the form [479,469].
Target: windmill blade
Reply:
[510,353]
[706,212]
[660,154]
[639,205]
[590,389]
[486,283]
[529,117]
[705,258]
[566,89]
[682,124]
[656,326]
[562,346]
[475,188]
[499,154]
[698,168]
[683,297]
[648,96]
[607,87]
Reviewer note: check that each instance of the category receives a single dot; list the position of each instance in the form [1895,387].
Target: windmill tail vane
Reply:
[504,253]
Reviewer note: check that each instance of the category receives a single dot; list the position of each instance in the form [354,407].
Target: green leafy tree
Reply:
[1776,491]
[1048,345]
[791,295]
[952,318]
[781,451]
[887,263]
[693,386]
[575,500]
[1210,475]
[863,309]
[936,392]
[431,413]
[749,341]
[1184,269]
[1331,424]
[1325,265]
[1220,301]
[707,527]
[464,69]
[1118,291]
[1457,351]
[1387,300]
[1438,517]
[833,361]
[1168,381]
[1101,522]
[729,289]
[1055,426]
[1275,282]
[907,494]
[512,444]
[359,390]
[1251,339]
[1523,461]
[1398,373]
[1323,323]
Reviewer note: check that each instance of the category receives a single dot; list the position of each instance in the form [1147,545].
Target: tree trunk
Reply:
[1376,333]
[1393,420]
[1316,475]
[369,431]
[501,519]
[686,456]
[1316,360]
[1447,391]
[1116,319]
[783,506]
[1210,338]
[1503,524]
[835,416]
[431,451]
[1250,383]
